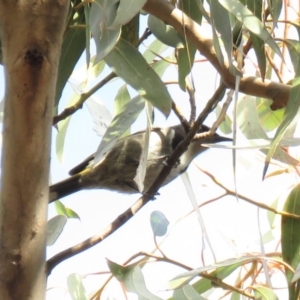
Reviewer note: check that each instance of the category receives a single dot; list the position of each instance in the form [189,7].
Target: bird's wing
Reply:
[82,166]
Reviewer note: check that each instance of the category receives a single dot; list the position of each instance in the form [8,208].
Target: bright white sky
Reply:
[232,225]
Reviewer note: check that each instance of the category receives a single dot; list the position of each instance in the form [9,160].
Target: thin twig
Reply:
[83,97]
[130,212]
[259,204]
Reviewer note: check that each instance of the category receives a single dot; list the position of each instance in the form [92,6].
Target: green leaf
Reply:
[72,49]
[156,47]
[247,119]
[61,209]
[250,125]
[186,55]
[132,278]
[258,43]
[294,50]
[100,114]
[185,60]
[76,288]
[62,130]
[203,284]
[131,66]
[55,227]
[102,15]
[251,22]
[160,66]
[264,293]
[290,228]
[165,33]
[127,9]
[61,136]
[118,126]
[192,9]
[187,292]
[117,270]
[221,22]
[275,9]
[121,99]
[159,223]
[182,279]
[289,115]
[134,282]
[269,119]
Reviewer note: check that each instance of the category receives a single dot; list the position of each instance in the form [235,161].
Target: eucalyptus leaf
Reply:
[118,126]
[102,15]
[55,227]
[127,9]
[76,288]
[73,45]
[130,65]
[251,22]
[159,223]
[165,33]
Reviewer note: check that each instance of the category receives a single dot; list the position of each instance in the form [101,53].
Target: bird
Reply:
[117,170]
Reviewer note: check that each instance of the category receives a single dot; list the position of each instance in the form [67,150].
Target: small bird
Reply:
[118,169]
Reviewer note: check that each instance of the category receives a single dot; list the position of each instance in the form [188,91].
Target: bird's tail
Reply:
[64,188]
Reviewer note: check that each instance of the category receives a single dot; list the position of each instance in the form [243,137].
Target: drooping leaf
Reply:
[165,33]
[296,275]
[247,119]
[250,125]
[187,292]
[269,119]
[130,65]
[132,278]
[76,288]
[290,228]
[203,284]
[121,99]
[294,50]
[264,293]
[275,9]
[87,10]
[118,126]
[74,43]
[156,47]
[62,130]
[251,22]
[117,270]
[106,37]
[258,44]
[100,114]
[160,66]
[289,115]
[185,60]
[134,282]
[221,23]
[55,227]
[141,170]
[182,279]
[127,9]
[186,55]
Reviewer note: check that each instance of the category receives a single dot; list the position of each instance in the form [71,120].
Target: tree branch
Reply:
[249,85]
[130,212]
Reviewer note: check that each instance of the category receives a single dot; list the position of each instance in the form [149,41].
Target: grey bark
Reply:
[31,35]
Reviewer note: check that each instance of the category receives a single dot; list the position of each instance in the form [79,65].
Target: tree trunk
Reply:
[31,35]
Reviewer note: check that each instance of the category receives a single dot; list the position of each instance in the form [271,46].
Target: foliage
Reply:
[248,37]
